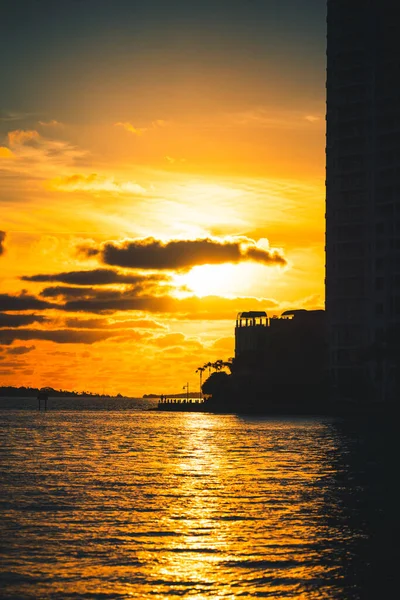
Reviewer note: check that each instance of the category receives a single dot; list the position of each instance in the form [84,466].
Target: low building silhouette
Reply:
[280,364]
[295,342]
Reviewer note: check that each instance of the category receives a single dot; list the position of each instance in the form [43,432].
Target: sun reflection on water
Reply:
[171,505]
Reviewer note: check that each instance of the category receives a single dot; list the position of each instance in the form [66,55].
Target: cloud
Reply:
[171,339]
[159,123]
[193,308]
[18,350]
[7,320]
[270,118]
[92,300]
[60,336]
[224,343]
[106,324]
[149,253]
[173,160]
[313,302]
[60,291]
[103,300]
[23,301]
[147,285]
[52,123]
[172,342]
[2,238]
[216,308]
[13,364]
[140,130]
[95,277]
[112,301]
[39,154]
[95,183]
[129,127]
[21,137]
[8,116]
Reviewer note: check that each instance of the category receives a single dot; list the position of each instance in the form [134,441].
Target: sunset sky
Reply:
[162,168]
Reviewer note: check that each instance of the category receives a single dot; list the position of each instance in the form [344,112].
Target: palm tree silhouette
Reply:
[218,364]
[208,366]
[201,370]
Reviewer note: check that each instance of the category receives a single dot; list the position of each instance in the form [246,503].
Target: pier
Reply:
[182,404]
[43,396]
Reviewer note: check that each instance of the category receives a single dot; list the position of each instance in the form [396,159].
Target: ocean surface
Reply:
[111,500]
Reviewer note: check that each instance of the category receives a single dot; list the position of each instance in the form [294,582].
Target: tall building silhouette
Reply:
[363,197]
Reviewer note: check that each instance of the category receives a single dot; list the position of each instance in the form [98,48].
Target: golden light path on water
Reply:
[131,504]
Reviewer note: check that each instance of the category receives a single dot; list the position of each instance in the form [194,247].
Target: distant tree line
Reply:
[28,392]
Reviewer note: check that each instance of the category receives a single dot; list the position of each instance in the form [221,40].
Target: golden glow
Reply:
[211,280]
[228,280]
[255,172]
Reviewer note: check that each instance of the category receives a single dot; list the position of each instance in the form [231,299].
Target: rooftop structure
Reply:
[254,328]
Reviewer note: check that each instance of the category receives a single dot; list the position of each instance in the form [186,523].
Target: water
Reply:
[137,504]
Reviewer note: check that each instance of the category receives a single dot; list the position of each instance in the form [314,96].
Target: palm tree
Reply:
[208,366]
[201,370]
[217,365]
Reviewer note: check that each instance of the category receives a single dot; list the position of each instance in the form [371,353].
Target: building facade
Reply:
[251,332]
[363,197]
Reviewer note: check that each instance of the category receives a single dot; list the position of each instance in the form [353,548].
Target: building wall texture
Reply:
[363,196]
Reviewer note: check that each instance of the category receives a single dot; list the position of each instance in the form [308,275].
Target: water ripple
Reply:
[129,504]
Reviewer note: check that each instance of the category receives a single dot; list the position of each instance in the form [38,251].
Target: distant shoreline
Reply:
[28,392]
[32,392]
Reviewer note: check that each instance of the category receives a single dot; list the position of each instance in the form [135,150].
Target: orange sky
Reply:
[183,203]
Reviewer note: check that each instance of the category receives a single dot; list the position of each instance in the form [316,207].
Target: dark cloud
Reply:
[89,251]
[2,238]
[96,277]
[65,292]
[99,299]
[60,336]
[18,350]
[193,308]
[119,301]
[272,257]
[148,285]
[104,300]
[23,302]
[87,323]
[105,324]
[7,320]
[14,364]
[108,301]
[150,253]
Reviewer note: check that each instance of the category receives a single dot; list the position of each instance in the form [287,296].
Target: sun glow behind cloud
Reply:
[228,280]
